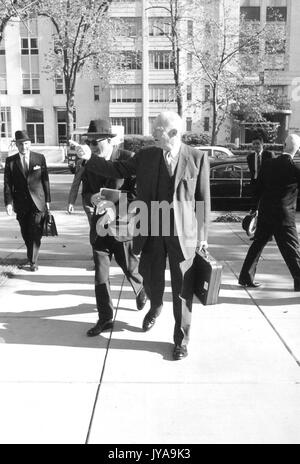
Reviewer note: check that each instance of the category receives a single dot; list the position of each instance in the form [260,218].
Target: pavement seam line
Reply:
[290,351]
[102,371]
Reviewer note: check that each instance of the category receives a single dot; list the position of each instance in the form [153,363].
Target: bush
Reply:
[136,142]
[196,139]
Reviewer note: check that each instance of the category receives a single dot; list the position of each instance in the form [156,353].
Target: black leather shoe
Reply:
[250,284]
[180,352]
[148,322]
[33,267]
[99,327]
[141,299]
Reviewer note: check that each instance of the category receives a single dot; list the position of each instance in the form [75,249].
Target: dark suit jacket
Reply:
[277,189]
[191,185]
[251,162]
[19,189]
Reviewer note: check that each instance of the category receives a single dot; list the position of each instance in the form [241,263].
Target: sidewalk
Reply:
[239,384]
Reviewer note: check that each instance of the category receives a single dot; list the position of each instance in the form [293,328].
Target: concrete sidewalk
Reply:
[239,384]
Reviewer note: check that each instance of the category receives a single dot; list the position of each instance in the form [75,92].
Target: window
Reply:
[206,124]
[159,27]
[159,93]
[126,94]
[160,60]
[206,93]
[133,27]
[131,125]
[276,13]
[59,84]
[189,61]
[29,46]
[29,57]
[97,93]
[132,59]
[250,13]
[189,124]
[5,122]
[189,92]
[190,28]
[34,120]
[3,80]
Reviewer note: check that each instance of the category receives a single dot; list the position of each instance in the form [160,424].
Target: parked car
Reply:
[230,184]
[216,152]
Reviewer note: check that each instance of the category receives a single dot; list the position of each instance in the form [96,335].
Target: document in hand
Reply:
[106,194]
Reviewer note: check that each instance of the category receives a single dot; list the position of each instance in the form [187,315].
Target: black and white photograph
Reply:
[149,225]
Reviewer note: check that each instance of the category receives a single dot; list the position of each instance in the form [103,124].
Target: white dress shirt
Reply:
[171,159]
[25,162]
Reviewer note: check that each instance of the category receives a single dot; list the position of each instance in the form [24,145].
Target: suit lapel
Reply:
[181,166]
[19,164]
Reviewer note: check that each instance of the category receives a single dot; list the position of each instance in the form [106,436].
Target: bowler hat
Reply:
[21,136]
[100,129]
[249,223]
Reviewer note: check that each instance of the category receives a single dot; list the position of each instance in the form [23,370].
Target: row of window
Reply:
[158,93]
[158,27]
[34,123]
[253,13]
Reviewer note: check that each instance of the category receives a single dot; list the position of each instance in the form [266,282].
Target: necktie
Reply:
[25,167]
[170,163]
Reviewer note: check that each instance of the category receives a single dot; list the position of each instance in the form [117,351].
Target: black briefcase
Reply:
[208,273]
[49,226]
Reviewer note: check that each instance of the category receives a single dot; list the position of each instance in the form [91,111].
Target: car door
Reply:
[226,181]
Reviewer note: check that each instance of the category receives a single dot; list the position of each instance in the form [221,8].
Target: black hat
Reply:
[249,223]
[100,129]
[21,136]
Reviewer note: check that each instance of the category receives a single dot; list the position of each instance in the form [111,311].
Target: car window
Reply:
[228,171]
[218,154]
[206,151]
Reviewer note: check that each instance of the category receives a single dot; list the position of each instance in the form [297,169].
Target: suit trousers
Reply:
[287,241]
[31,230]
[152,267]
[103,250]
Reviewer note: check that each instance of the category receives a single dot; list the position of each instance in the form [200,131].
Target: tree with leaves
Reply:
[229,53]
[10,9]
[84,40]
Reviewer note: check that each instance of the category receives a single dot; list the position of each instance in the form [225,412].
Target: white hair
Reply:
[169,119]
[292,144]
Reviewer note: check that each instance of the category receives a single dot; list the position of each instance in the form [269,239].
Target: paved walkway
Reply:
[239,384]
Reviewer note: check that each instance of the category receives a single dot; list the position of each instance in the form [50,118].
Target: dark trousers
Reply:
[103,250]
[31,230]
[152,268]
[287,241]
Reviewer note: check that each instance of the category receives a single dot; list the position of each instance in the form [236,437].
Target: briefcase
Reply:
[207,280]
[49,226]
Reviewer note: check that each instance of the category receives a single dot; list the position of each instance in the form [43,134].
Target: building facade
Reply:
[32,99]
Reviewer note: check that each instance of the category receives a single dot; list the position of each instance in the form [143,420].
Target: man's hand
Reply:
[108,217]
[9,210]
[70,209]
[82,151]
[48,206]
[203,245]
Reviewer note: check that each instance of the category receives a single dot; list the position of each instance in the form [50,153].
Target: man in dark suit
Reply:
[27,192]
[277,188]
[105,246]
[257,158]
[175,175]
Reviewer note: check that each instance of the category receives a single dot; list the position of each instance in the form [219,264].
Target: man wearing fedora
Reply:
[27,192]
[104,247]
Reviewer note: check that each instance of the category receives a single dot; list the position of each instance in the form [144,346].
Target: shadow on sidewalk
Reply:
[41,328]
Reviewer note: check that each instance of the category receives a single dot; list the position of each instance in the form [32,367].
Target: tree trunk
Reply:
[214,118]
[70,116]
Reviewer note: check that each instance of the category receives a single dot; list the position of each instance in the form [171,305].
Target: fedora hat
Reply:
[100,129]
[249,223]
[21,136]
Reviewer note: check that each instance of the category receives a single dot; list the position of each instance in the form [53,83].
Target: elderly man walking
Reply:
[277,189]
[177,175]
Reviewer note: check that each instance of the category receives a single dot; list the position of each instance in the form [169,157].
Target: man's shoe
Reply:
[33,267]
[148,322]
[180,352]
[250,284]
[99,327]
[141,299]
